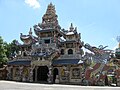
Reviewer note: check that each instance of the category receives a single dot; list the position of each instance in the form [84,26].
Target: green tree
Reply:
[7,48]
[11,48]
[14,47]
[3,57]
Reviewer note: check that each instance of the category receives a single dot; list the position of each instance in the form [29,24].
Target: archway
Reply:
[62,51]
[55,73]
[70,51]
[42,72]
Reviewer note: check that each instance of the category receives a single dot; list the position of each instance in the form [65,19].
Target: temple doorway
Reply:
[42,72]
[55,73]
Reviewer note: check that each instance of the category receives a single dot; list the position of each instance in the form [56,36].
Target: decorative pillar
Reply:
[31,73]
[66,73]
[20,73]
[50,75]
[36,68]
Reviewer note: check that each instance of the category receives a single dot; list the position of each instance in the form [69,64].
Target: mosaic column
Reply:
[36,74]
[31,73]
[50,75]
[20,73]
[66,73]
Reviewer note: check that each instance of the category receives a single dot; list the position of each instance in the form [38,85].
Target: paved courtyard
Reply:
[11,85]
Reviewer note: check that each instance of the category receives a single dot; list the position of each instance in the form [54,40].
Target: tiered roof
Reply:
[49,21]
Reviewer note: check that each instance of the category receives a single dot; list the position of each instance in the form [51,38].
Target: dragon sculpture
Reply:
[100,56]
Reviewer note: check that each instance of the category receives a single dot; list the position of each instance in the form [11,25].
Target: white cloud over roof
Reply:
[33,3]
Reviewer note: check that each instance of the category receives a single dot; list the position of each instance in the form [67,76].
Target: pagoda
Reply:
[54,55]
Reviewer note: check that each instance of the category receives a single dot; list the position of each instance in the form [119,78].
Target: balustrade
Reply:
[52,45]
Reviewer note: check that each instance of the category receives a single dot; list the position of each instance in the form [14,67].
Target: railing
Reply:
[52,45]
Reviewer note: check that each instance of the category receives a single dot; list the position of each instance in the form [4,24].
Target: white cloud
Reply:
[33,3]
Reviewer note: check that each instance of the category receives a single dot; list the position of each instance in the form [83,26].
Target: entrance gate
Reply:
[42,72]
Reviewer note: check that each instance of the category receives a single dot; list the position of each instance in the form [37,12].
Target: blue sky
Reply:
[98,21]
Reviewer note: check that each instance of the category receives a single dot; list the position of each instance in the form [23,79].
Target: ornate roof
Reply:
[28,39]
[19,62]
[71,32]
[67,62]
[49,19]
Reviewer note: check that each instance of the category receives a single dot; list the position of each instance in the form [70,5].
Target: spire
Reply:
[71,27]
[49,19]
[30,32]
[51,9]
[75,28]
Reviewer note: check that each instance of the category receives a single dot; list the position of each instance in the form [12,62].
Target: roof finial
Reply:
[21,34]
[76,28]
[30,32]
[50,9]
[71,27]
[51,3]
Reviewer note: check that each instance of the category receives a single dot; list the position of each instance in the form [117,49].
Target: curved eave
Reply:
[29,37]
[67,62]
[44,30]
[20,62]
[24,37]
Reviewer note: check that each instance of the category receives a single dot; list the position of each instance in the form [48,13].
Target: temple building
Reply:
[54,55]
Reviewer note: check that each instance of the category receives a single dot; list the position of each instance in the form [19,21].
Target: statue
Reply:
[99,54]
